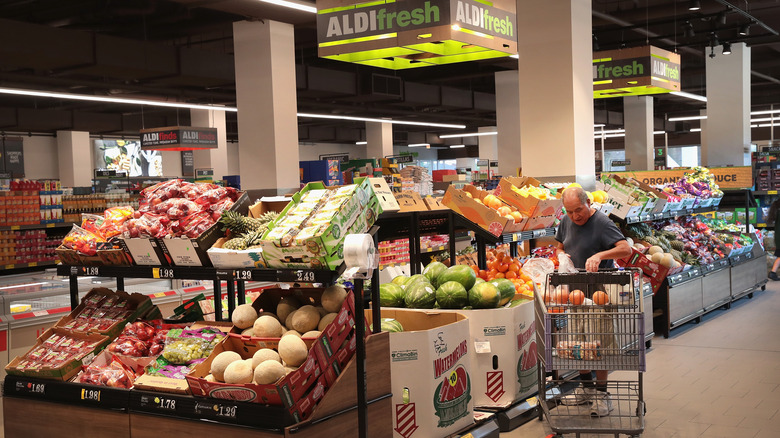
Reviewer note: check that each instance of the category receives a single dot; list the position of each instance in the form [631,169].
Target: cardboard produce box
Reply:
[410,201]
[137,304]
[623,204]
[383,193]
[480,214]
[66,370]
[145,251]
[504,362]
[431,376]
[656,272]
[356,215]
[182,251]
[235,259]
[528,205]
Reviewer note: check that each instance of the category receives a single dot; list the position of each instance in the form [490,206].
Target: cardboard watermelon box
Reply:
[504,362]
[430,373]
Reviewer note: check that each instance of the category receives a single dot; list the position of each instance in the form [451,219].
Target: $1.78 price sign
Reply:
[165,403]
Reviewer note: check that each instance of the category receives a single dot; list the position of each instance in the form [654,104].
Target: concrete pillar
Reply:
[76,163]
[171,163]
[379,136]
[508,148]
[488,144]
[267,105]
[216,159]
[638,122]
[555,73]
[728,108]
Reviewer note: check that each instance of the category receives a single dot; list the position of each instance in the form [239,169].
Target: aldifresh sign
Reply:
[635,72]
[415,33]
[368,19]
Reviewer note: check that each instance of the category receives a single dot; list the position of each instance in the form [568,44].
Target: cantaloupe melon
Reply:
[244,316]
[655,249]
[263,355]
[286,306]
[288,320]
[289,369]
[291,333]
[333,297]
[268,372]
[210,378]
[239,371]
[293,350]
[247,332]
[267,327]
[305,319]
[269,314]
[322,311]
[667,260]
[656,257]
[327,319]
[221,362]
[311,334]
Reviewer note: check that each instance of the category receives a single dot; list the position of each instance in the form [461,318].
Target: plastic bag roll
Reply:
[358,250]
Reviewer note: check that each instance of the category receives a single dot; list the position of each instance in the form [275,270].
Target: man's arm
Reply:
[559,248]
[619,251]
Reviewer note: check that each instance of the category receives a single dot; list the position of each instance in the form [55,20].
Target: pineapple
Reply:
[234,222]
[269,216]
[253,238]
[677,245]
[236,244]
[676,254]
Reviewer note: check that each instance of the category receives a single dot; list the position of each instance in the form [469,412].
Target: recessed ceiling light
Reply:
[457,146]
[293,5]
[361,142]
[469,134]
[694,5]
[682,119]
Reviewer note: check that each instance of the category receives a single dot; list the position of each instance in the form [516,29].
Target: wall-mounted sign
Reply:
[187,163]
[179,138]
[12,152]
[635,72]
[343,158]
[483,163]
[621,162]
[738,177]
[415,33]
[401,158]
[494,164]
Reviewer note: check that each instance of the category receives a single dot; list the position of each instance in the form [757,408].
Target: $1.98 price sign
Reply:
[90,394]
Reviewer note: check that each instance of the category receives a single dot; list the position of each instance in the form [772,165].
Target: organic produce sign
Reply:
[726,177]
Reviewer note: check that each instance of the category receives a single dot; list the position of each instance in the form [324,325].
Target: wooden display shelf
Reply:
[342,425]
[61,420]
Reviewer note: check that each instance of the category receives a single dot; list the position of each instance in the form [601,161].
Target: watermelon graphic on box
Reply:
[451,399]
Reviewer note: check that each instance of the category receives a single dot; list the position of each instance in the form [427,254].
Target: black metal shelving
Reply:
[665,215]
[36,226]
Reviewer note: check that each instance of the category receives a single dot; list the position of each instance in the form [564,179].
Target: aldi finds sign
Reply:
[179,138]
[635,72]
[415,33]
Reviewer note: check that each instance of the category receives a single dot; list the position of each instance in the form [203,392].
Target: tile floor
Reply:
[718,378]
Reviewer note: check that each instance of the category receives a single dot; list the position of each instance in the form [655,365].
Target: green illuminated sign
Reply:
[634,72]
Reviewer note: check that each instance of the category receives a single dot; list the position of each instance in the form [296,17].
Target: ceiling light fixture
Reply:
[659,132]
[609,136]
[600,125]
[727,48]
[612,131]
[694,5]
[744,30]
[682,119]
[689,95]
[108,99]
[361,142]
[764,119]
[418,145]
[721,19]
[689,32]
[457,146]
[292,5]
[368,119]
[695,129]
[470,134]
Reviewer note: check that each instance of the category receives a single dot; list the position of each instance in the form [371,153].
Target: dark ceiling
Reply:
[182,50]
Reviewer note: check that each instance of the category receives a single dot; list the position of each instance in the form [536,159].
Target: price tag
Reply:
[304,276]
[91,270]
[90,395]
[49,225]
[226,411]
[482,347]
[162,272]
[9,266]
[771,192]
[32,388]
[514,237]
[468,435]
[40,313]
[15,227]
[532,401]
[658,216]
[224,275]
[243,274]
[32,264]
[165,403]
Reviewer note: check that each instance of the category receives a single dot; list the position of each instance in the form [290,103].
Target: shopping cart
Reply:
[590,336]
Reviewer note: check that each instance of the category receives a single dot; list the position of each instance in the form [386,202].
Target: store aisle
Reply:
[719,378]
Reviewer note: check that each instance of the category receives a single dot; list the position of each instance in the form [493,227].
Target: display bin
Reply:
[685,301]
[647,303]
[743,276]
[62,420]
[714,294]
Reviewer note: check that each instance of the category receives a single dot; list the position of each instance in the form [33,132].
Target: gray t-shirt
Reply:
[581,242]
